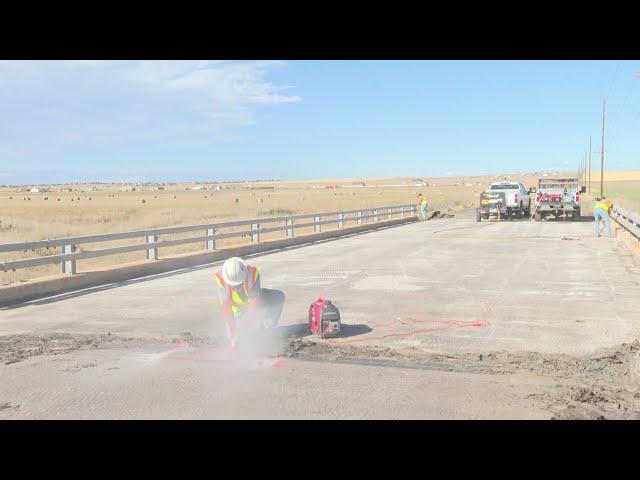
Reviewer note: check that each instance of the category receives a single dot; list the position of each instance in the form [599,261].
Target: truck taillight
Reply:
[516,197]
[538,196]
[577,196]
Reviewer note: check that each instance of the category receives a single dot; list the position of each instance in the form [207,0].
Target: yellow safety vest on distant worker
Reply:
[239,302]
[424,201]
[603,206]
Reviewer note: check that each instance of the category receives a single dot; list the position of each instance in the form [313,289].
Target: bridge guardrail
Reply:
[152,242]
[628,220]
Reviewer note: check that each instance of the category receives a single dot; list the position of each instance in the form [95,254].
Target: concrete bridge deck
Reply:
[446,287]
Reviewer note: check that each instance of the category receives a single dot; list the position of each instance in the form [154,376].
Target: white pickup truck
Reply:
[516,196]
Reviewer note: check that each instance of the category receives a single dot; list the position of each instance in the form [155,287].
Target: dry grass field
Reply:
[27,216]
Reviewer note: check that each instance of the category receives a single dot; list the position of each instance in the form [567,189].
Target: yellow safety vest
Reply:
[424,201]
[239,302]
[602,206]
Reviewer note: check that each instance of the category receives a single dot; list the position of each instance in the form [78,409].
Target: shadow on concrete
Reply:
[86,291]
[78,293]
[505,219]
[583,219]
[293,331]
[354,330]
[302,330]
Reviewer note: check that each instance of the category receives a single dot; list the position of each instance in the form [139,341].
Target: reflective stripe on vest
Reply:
[238,301]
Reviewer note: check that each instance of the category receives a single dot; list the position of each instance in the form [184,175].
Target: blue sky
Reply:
[75,121]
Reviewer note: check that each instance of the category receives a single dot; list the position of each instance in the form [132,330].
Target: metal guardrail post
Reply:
[255,237]
[375,219]
[389,211]
[211,244]
[340,217]
[401,212]
[290,230]
[152,252]
[317,227]
[69,266]
[359,219]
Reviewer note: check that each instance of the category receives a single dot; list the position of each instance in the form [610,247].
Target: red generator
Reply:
[324,319]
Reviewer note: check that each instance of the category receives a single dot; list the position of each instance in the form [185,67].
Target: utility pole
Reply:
[604,106]
[589,164]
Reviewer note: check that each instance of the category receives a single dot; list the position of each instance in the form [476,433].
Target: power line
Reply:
[589,163]
[604,107]
[614,77]
[614,121]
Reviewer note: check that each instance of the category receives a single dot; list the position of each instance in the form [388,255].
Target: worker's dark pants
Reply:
[269,307]
[267,314]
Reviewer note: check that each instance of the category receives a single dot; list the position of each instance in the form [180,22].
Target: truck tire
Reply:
[538,217]
[576,217]
[478,216]
[527,212]
[521,211]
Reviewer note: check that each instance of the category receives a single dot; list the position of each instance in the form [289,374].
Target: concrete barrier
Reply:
[59,284]
[632,243]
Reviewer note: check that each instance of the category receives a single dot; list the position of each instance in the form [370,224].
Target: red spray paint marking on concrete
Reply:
[447,325]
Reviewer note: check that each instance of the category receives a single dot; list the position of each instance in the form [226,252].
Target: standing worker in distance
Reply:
[602,210]
[246,306]
[422,203]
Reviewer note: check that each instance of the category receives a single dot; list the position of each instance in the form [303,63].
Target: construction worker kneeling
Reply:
[246,306]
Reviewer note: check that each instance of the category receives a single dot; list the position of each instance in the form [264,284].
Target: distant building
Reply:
[358,184]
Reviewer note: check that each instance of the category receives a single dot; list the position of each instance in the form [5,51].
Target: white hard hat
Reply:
[234,271]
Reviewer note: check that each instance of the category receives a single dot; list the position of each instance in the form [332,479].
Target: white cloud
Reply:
[96,103]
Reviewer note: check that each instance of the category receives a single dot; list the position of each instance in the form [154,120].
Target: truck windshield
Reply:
[503,187]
